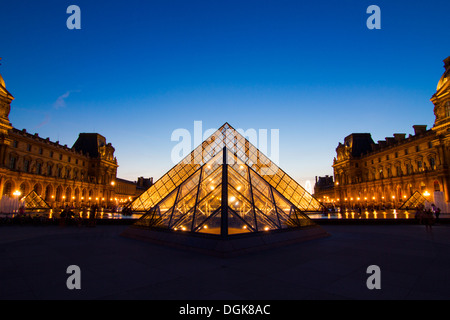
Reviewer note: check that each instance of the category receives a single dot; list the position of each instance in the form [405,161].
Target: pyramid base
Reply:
[231,245]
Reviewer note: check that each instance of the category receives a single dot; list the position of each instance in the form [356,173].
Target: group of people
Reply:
[427,216]
[67,215]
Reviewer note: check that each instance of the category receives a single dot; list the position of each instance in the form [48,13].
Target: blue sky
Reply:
[138,70]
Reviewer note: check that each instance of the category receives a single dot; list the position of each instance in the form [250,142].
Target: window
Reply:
[58,172]
[68,159]
[396,154]
[432,163]
[49,169]
[38,168]
[16,144]
[417,149]
[26,165]
[419,165]
[51,154]
[406,151]
[12,162]
[40,151]
[60,156]
[387,157]
[408,168]
[28,147]
[430,144]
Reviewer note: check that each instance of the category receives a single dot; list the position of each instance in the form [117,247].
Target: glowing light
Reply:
[266,228]
[205,227]
[113,183]
[183,228]
[426,193]
[238,188]
[212,187]
[17,193]
[232,199]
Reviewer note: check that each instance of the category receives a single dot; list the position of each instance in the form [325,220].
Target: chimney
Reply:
[390,140]
[399,136]
[382,143]
[419,129]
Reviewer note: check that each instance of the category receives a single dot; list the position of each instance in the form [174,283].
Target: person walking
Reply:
[428,219]
[436,211]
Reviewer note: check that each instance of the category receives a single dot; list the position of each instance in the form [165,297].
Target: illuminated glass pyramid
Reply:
[225,186]
[33,201]
[414,201]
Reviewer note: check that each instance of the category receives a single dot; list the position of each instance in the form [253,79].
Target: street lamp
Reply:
[17,193]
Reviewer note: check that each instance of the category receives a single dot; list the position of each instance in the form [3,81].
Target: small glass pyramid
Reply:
[414,201]
[225,186]
[33,201]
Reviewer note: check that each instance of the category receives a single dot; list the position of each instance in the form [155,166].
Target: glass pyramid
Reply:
[225,186]
[414,201]
[34,202]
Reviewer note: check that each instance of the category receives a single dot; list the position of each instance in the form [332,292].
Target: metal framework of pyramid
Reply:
[415,200]
[33,202]
[225,186]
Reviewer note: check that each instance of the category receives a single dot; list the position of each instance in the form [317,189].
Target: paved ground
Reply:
[414,264]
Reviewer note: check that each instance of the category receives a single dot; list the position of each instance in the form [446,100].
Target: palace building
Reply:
[84,174]
[387,173]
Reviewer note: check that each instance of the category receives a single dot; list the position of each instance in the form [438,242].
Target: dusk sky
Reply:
[138,70]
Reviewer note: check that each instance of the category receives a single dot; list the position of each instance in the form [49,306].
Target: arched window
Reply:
[7,189]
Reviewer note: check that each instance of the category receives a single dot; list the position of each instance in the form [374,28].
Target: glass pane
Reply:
[283,208]
[189,185]
[210,183]
[237,225]
[242,206]
[264,224]
[239,183]
[168,202]
[184,223]
[207,206]
[183,206]
[259,184]
[212,224]
[265,206]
